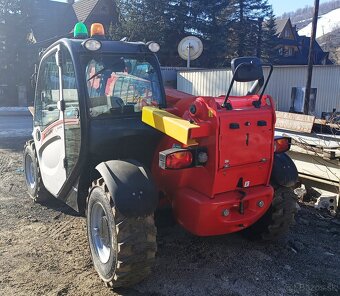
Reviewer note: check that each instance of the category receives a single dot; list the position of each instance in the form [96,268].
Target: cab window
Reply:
[47,93]
[70,90]
[118,84]
[72,111]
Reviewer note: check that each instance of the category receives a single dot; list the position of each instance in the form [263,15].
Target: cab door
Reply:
[71,113]
[48,132]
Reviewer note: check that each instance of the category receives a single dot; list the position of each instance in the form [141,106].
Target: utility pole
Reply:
[311,56]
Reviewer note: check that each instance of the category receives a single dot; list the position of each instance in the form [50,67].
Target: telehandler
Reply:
[109,142]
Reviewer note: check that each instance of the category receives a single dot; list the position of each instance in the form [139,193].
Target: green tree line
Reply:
[228,29]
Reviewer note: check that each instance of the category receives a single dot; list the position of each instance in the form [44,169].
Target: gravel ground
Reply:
[44,251]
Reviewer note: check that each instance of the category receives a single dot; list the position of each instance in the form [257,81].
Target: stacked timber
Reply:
[315,153]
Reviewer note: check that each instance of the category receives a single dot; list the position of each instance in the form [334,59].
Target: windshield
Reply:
[119,84]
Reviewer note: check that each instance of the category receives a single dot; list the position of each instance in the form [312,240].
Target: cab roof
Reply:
[108,46]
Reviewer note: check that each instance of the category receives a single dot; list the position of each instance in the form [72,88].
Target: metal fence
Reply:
[169,75]
[215,83]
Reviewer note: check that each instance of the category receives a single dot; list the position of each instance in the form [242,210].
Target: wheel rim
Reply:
[100,233]
[30,172]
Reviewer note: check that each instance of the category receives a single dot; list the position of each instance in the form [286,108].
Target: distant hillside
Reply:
[327,23]
[328,32]
[303,16]
[331,42]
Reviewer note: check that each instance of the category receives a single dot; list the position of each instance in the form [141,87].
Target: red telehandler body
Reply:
[110,143]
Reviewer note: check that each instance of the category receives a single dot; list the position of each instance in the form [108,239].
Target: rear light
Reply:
[282,144]
[179,158]
[175,158]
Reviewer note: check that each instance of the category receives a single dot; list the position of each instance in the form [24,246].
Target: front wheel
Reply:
[276,221]
[123,249]
[35,186]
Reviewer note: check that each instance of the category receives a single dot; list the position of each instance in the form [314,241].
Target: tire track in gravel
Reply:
[5,163]
[62,227]
[44,251]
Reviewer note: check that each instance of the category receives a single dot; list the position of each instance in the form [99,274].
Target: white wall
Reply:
[215,82]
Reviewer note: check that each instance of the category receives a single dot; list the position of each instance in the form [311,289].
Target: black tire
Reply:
[35,186]
[278,219]
[131,241]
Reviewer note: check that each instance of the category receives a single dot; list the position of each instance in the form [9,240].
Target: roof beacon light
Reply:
[153,46]
[97,29]
[80,31]
[92,44]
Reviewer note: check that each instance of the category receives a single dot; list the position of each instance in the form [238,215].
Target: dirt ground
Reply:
[44,251]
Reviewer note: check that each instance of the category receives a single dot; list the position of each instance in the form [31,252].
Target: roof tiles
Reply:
[83,8]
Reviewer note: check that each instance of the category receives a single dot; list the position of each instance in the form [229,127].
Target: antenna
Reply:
[190,48]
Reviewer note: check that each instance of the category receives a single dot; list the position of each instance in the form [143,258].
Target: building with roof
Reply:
[52,20]
[294,49]
[12,49]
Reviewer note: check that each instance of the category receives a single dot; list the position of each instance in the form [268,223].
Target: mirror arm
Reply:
[224,105]
[257,103]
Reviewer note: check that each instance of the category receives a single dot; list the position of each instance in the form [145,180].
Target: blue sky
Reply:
[281,6]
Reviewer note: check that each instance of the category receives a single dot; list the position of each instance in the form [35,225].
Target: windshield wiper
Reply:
[98,73]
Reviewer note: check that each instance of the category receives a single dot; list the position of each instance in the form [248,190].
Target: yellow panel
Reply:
[171,125]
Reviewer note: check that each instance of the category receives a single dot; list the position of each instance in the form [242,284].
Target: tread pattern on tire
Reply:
[137,247]
[278,219]
[41,192]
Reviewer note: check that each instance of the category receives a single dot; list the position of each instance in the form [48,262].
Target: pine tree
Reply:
[178,24]
[227,28]
[144,20]
[141,21]
[161,21]
[245,27]
[209,24]
[269,40]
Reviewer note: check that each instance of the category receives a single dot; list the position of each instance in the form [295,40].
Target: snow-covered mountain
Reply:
[327,23]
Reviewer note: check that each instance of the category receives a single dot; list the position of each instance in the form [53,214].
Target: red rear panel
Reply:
[249,175]
[235,179]
[245,137]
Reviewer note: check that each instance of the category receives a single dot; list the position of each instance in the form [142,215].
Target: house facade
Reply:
[52,20]
[293,49]
[12,50]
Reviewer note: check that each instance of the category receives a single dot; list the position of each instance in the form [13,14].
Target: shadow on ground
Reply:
[58,205]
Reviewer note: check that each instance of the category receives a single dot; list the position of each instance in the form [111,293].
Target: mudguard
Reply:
[131,187]
[284,171]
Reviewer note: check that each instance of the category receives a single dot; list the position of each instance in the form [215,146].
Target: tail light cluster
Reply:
[282,144]
[179,158]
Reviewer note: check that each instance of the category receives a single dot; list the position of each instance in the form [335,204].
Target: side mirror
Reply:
[247,69]
[34,77]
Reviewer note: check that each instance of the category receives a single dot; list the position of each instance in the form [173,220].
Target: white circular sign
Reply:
[193,44]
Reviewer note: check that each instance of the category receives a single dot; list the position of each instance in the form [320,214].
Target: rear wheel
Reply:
[280,216]
[35,186]
[123,249]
